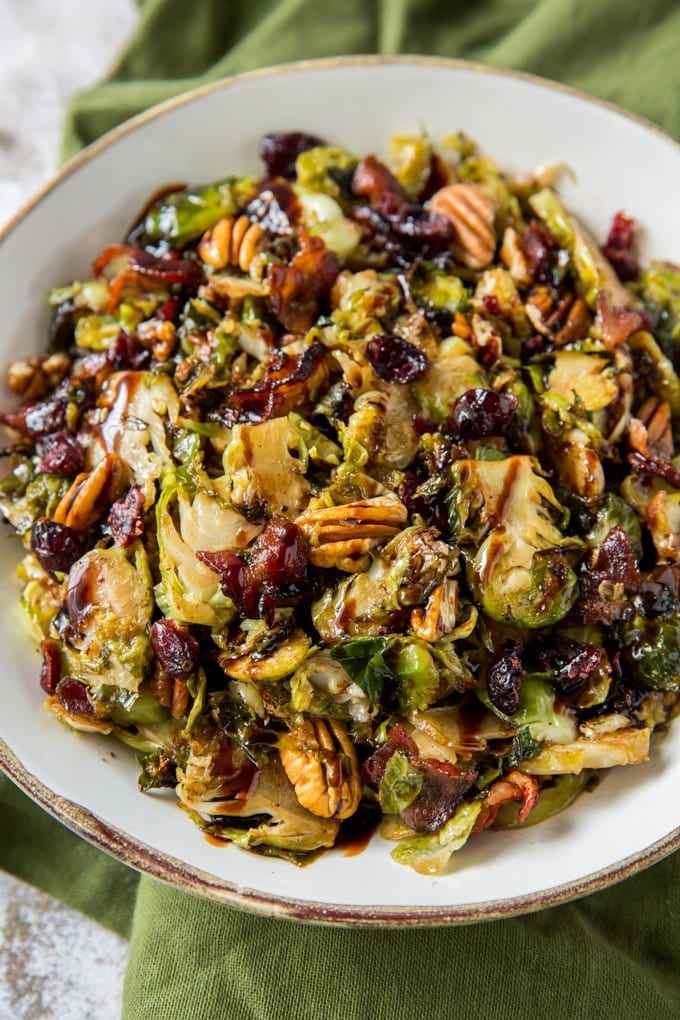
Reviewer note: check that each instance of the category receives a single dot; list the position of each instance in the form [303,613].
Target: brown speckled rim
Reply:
[187,878]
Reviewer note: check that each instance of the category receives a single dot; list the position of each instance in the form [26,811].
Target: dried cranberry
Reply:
[126,518]
[619,248]
[430,505]
[608,576]
[169,310]
[403,231]
[73,696]
[504,682]
[36,420]
[569,662]
[372,179]
[395,359]
[422,426]
[278,150]
[56,546]
[492,304]
[540,248]
[61,454]
[50,671]
[275,572]
[175,648]
[479,413]
[126,352]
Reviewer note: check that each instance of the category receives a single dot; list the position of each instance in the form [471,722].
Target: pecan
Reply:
[91,494]
[438,617]
[650,431]
[32,378]
[343,536]
[320,760]
[471,214]
[562,318]
[232,242]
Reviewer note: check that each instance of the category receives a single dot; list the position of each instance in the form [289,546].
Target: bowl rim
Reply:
[160,865]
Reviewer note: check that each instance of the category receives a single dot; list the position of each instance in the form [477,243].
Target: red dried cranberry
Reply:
[505,682]
[37,420]
[620,248]
[569,662]
[431,506]
[126,352]
[540,248]
[126,518]
[50,671]
[61,454]
[394,359]
[479,413]
[56,546]
[169,310]
[175,648]
[422,426]
[73,696]
[278,150]
[492,304]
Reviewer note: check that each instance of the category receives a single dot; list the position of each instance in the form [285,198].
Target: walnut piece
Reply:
[32,378]
[471,214]
[320,760]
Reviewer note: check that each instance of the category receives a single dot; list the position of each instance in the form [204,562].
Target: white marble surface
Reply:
[54,963]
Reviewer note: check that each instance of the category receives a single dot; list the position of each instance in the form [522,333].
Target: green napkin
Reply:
[615,954]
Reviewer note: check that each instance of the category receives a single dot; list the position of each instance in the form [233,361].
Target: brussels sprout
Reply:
[438,289]
[265,466]
[274,663]
[452,372]
[609,512]
[659,373]
[109,601]
[583,379]
[182,216]
[324,218]
[660,291]
[400,785]
[320,450]
[651,650]
[321,686]
[320,168]
[411,160]
[396,668]
[540,712]
[140,710]
[497,283]
[270,816]
[379,432]
[429,855]
[187,522]
[96,332]
[26,495]
[460,730]
[592,269]
[628,746]
[41,597]
[518,565]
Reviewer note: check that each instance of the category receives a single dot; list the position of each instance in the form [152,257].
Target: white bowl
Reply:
[619,163]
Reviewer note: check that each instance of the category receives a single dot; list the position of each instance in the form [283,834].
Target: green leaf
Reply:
[364,660]
[523,747]
[401,784]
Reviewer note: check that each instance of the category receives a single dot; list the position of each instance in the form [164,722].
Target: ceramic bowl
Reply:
[90,784]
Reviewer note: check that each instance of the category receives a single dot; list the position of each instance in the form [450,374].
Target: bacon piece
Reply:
[297,290]
[288,382]
[443,788]
[514,786]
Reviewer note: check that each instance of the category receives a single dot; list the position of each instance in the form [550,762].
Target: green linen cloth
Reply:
[615,954]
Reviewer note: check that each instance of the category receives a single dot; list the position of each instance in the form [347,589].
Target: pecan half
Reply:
[32,378]
[438,617]
[91,494]
[320,760]
[343,536]
[471,214]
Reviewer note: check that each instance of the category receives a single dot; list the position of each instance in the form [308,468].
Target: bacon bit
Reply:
[147,270]
[651,439]
[372,179]
[461,327]
[608,575]
[618,323]
[298,289]
[619,248]
[538,245]
[287,384]
[443,788]
[515,786]
[50,671]
[126,518]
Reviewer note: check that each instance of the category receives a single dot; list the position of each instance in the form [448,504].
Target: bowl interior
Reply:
[90,782]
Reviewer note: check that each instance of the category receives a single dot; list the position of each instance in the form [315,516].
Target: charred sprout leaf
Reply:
[364,660]
[401,784]
[322,167]
[523,747]
[158,770]
[660,292]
